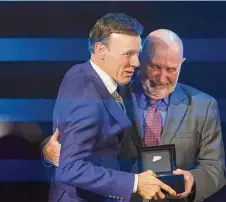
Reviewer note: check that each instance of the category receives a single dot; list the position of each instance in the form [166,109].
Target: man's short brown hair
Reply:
[113,23]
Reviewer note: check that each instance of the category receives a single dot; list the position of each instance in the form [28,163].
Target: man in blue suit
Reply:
[91,118]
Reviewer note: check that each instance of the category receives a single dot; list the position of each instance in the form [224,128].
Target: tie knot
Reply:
[119,99]
[115,93]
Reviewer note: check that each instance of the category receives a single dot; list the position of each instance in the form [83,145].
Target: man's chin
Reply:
[156,96]
[124,81]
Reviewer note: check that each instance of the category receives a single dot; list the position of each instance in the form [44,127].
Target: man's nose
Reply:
[135,61]
[162,77]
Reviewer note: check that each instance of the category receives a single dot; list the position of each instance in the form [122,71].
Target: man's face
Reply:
[160,72]
[122,56]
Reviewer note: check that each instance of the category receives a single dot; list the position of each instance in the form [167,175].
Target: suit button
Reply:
[114,197]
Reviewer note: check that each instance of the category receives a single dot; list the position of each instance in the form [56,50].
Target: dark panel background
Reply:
[31,81]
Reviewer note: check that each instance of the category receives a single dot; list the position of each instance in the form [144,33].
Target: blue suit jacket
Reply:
[91,124]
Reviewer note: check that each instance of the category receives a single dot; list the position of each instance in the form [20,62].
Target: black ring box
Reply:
[161,159]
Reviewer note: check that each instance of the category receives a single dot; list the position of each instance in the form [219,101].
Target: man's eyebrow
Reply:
[132,50]
[172,67]
[154,64]
[157,65]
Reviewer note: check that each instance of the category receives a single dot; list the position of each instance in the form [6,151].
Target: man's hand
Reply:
[189,181]
[51,151]
[149,187]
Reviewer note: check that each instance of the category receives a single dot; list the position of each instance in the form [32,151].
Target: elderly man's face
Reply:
[160,71]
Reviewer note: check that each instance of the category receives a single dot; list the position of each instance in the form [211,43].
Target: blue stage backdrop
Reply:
[29,54]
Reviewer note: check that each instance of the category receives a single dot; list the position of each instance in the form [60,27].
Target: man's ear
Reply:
[181,64]
[183,61]
[100,50]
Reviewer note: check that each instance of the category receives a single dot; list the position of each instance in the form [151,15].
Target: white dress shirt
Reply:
[111,86]
[108,81]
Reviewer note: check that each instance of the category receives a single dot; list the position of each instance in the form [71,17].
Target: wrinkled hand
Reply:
[189,181]
[149,187]
[51,151]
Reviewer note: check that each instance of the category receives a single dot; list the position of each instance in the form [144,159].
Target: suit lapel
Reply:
[136,135]
[110,103]
[116,111]
[178,105]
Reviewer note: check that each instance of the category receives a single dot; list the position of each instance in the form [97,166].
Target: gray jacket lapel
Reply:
[178,105]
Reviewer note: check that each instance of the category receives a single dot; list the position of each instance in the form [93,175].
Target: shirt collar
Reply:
[165,100]
[108,81]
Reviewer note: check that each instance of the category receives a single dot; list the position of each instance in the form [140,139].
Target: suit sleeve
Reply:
[80,127]
[209,173]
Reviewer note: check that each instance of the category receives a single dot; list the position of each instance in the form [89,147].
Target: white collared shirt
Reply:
[108,81]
